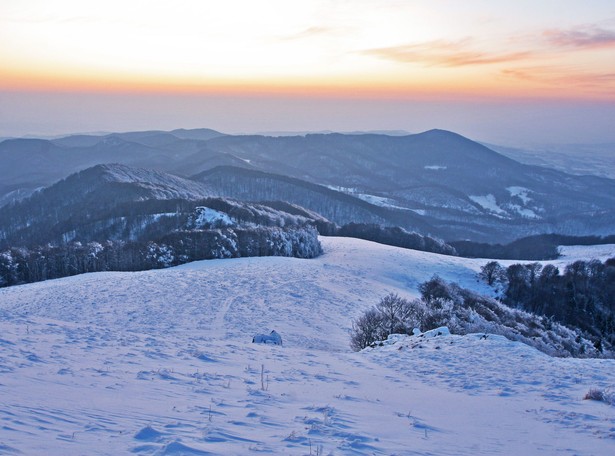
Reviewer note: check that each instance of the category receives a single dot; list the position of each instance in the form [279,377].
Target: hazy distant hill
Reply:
[437,182]
[580,159]
[462,188]
[28,164]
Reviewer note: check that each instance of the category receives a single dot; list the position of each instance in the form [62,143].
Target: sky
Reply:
[514,73]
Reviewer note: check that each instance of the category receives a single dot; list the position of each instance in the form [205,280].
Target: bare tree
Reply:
[492,273]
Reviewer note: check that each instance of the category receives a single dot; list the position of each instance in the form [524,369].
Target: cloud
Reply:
[563,76]
[583,38]
[445,53]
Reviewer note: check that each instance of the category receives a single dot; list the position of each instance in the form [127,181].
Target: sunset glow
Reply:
[362,49]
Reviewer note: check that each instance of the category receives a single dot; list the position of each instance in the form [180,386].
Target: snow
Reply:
[379,201]
[522,211]
[161,363]
[338,188]
[367,197]
[523,194]
[520,192]
[571,253]
[159,216]
[208,216]
[488,203]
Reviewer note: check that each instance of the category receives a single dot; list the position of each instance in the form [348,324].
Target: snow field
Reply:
[160,363]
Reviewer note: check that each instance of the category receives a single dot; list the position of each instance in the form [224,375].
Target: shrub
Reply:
[392,315]
[602,395]
[366,330]
[465,312]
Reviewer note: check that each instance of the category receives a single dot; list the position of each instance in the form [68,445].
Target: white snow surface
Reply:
[160,363]
[489,203]
[571,253]
[379,201]
[523,212]
[372,199]
[521,192]
[207,215]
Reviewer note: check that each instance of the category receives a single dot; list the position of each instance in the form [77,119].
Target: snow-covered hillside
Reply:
[161,363]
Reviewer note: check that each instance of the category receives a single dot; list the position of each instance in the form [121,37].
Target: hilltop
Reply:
[166,361]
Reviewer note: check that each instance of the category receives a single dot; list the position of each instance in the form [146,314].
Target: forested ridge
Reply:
[146,235]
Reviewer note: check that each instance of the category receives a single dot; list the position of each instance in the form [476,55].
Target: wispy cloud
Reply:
[445,53]
[588,37]
[563,76]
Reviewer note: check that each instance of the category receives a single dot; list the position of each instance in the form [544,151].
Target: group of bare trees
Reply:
[463,311]
[583,295]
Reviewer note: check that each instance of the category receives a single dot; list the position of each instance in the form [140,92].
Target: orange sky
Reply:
[380,50]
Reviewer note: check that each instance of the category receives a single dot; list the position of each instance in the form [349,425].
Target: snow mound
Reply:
[148,433]
[393,339]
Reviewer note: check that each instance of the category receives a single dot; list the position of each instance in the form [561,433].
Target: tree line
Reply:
[582,295]
[395,236]
[19,265]
[465,312]
[538,247]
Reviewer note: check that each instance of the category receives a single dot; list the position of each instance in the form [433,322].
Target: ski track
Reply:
[160,363]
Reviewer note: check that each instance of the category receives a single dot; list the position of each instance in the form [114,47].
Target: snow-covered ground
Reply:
[161,363]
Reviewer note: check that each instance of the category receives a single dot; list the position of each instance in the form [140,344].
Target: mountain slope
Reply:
[460,189]
[160,362]
[251,185]
[470,190]
[27,164]
[90,196]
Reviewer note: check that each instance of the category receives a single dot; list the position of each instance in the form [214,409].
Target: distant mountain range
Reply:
[436,183]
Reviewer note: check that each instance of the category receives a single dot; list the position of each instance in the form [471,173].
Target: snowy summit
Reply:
[162,363]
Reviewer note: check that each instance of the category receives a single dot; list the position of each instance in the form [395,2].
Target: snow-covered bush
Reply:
[366,330]
[392,315]
[466,312]
[602,395]
[7,269]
